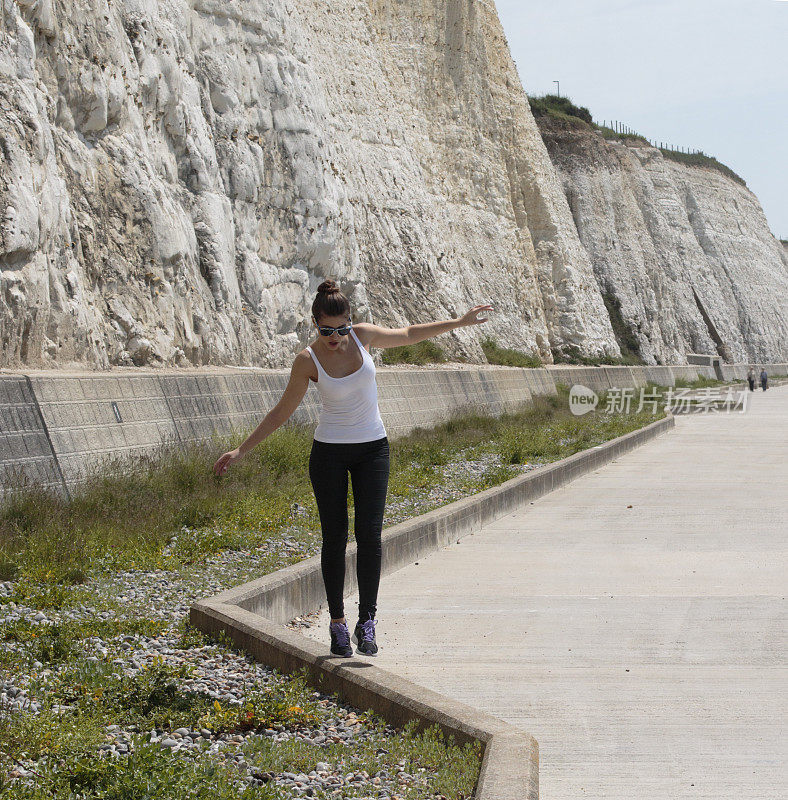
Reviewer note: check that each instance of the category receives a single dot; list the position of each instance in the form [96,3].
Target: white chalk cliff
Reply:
[685,250]
[178,177]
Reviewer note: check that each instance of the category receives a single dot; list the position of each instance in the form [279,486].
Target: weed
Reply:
[426,352]
[508,358]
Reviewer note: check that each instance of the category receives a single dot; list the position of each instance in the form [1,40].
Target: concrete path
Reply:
[644,647]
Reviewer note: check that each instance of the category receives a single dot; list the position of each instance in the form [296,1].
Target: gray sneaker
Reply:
[340,639]
[364,637]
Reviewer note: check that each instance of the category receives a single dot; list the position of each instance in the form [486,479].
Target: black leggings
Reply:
[368,464]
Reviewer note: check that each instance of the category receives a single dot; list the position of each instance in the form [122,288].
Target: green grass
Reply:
[148,772]
[83,697]
[562,108]
[426,352]
[453,769]
[702,160]
[609,133]
[506,357]
[699,383]
[543,431]
[152,771]
[123,516]
[126,517]
[572,355]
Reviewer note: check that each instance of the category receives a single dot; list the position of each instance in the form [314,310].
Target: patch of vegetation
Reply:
[453,770]
[503,356]
[544,430]
[83,696]
[53,644]
[290,703]
[124,516]
[149,771]
[625,336]
[426,352]
[702,160]
[699,383]
[8,570]
[562,108]
[79,701]
[571,354]
[609,133]
[565,434]
[150,698]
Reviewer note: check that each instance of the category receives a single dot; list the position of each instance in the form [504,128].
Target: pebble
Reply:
[167,596]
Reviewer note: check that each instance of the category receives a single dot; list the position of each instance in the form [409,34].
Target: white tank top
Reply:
[350,405]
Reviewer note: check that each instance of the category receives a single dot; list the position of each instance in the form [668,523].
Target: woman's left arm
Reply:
[375,336]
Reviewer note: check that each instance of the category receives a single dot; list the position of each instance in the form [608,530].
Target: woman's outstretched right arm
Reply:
[277,416]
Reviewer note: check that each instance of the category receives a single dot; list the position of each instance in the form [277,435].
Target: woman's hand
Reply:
[220,467]
[470,317]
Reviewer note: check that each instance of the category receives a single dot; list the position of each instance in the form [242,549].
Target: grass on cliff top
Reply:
[702,160]
[560,108]
[129,515]
[551,106]
[609,133]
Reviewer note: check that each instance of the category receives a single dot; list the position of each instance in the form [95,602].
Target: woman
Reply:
[350,437]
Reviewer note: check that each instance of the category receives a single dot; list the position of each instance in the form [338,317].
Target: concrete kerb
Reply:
[253,615]
[510,763]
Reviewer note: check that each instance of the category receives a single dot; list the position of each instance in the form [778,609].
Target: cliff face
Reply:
[684,252]
[179,176]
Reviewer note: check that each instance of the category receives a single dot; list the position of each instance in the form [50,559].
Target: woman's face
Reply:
[335,341]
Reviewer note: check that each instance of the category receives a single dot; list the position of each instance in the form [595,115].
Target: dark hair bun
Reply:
[330,302]
[328,287]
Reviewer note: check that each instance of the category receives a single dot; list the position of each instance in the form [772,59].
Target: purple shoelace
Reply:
[368,628]
[341,632]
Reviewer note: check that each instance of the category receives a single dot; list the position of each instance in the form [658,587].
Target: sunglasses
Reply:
[326,331]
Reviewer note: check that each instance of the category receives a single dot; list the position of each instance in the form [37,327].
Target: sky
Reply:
[708,75]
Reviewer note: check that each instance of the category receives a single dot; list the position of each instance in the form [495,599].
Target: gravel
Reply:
[166,596]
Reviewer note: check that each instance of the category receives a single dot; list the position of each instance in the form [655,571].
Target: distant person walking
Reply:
[350,438]
[751,379]
[764,379]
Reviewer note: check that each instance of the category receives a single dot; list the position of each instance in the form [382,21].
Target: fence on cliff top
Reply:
[624,130]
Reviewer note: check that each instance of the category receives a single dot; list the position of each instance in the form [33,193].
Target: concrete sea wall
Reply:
[56,427]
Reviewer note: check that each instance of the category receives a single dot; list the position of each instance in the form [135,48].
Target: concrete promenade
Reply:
[633,621]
